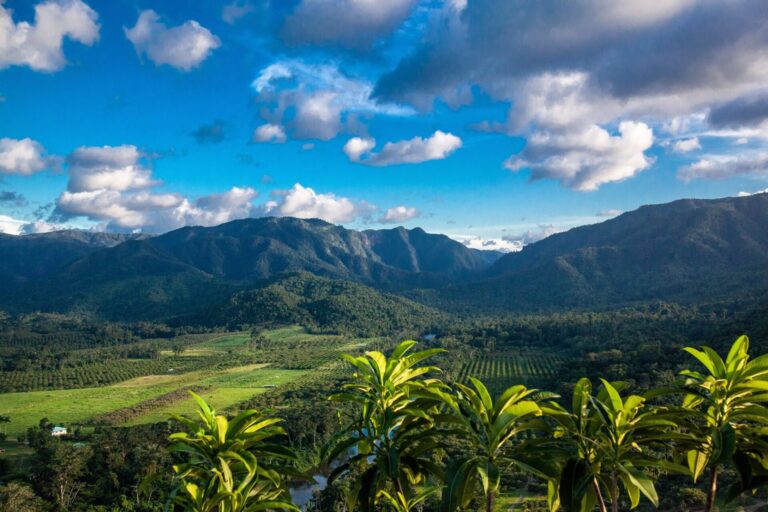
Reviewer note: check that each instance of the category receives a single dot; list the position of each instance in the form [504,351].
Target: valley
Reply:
[111,341]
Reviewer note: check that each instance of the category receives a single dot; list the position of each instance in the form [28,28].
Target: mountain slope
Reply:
[169,274]
[686,250]
[30,257]
[332,305]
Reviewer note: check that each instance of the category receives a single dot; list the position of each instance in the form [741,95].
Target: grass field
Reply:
[227,388]
[205,365]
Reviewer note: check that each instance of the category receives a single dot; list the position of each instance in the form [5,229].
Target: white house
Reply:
[59,431]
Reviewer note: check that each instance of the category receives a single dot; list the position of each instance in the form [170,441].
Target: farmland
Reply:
[225,368]
[503,369]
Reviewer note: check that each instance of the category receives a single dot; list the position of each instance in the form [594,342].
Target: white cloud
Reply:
[398,214]
[40,226]
[318,116]
[747,194]
[10,226]
[22,156]
[357,146]
[674,65]
[586,158]
[610,213]
[324,101]
[718,167]
[108,168]
[413,151]
[233,12]
[349,23]
[39,45]
[686,145]
[488,244]
[183,47]
[269,133]
[531,236]
[113,186]
[304,203]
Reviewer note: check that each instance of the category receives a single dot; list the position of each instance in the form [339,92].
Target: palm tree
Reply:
[488,428]
[727,404]
[231,466]
[388,447]
[608,439]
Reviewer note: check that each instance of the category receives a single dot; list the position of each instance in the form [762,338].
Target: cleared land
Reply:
[212,371]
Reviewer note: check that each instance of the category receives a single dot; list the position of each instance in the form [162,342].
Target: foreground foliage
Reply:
[231,465]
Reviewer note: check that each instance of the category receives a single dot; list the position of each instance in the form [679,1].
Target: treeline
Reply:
[329,306]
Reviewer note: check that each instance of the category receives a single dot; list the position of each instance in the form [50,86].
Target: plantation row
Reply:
[514,367]
[97,374]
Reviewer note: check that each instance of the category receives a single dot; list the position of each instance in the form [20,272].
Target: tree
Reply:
[3,419]
[232,466]
[389,445]
[606,441]
[488,428]
[727,404]
[20,498]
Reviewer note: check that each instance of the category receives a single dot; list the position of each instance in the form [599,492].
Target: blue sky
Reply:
[494,122]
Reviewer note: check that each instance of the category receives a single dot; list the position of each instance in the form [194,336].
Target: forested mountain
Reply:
[24,258]
[332,305]
[184,270]
[688,250]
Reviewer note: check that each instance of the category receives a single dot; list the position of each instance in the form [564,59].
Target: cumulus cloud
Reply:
[10,226]
[40,226]
[413,151]
[348,23]
[686,145]
[39,45]
[22,156]
[183,47]
[488,244]
[533,235]
[113,185]
[585,159]
[269,133]
[398,214]
[304,203]
[313,101]
[109,168]
[233,12]
[357,147]
[747,194]
[573,66]
[718,167]
[212,133]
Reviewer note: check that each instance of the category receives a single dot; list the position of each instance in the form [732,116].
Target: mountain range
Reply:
[687,250]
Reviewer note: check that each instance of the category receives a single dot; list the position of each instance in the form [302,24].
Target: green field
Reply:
[67,406]
[503,369]
[212,371]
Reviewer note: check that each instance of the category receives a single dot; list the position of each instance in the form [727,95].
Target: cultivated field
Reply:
[225,368]
[503,369]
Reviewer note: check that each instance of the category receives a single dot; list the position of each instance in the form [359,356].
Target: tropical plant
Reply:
[231,464]
[730,418]
[389,446]
[609,442]
[488,429]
